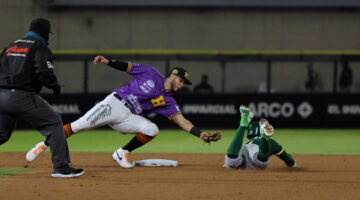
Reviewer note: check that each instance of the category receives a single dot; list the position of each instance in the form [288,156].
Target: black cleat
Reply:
[67,172]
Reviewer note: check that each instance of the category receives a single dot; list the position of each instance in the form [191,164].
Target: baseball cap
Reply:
[41,26]
[182,73]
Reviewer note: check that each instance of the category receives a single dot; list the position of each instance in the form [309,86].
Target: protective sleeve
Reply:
[279,151]
[119,65]
[284,156]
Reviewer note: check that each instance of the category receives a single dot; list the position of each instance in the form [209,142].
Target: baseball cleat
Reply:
[263,122]
[67,172]
[266,129]
[246,116]
[120,156]
[36,151]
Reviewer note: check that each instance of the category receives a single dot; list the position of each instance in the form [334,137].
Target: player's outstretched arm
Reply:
[101,59]
[117,64]
[206,136]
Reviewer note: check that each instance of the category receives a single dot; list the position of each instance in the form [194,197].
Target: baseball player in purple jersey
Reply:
[125,108]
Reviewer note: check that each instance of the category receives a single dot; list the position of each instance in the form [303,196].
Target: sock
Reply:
[137,141]
[68,131]
[264,150]
[236,144]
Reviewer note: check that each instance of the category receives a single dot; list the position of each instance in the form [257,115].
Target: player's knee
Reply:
[235,163]
[151,130]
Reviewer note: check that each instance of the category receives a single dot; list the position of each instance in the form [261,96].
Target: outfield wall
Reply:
[190,28]
[221,111]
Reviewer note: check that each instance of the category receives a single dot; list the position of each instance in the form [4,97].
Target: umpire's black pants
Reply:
[36,111]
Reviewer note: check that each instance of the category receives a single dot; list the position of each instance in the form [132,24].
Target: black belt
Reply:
[122,101]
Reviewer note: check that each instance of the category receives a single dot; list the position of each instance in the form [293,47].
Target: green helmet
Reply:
[253,130]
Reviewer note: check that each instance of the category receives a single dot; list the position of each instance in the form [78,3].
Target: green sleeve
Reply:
[278,150]
[236,144]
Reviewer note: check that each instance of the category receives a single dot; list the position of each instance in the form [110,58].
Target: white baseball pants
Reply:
[247,158]
[111,111]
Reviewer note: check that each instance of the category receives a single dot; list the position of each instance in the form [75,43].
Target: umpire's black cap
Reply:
[41,26]
[178,71]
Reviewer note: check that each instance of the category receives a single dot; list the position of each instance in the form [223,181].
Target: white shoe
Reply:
[36,151]
[120,156]
[263,122]
[266,129]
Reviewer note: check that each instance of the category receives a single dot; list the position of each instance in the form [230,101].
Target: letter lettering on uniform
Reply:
[158,101]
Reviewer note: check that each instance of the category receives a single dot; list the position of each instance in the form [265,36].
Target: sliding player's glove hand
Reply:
[210,136]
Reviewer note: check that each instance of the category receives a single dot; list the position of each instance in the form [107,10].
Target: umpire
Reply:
[26,66]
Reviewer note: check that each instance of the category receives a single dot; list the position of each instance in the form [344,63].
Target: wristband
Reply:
[195,131]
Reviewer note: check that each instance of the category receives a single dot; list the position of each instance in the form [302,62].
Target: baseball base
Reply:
[156,163]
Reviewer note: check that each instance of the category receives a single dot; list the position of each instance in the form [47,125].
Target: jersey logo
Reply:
[16,51]
[150,83]
[49,65]
[158,101]
[147,86]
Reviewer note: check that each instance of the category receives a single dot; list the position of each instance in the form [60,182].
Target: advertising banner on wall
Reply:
[283,110]
[221,111]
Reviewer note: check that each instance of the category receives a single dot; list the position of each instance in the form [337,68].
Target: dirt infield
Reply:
[199,176]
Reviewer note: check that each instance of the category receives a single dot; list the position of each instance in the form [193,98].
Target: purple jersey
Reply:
[146,93]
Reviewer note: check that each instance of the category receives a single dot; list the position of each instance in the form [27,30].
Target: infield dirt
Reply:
[199,176]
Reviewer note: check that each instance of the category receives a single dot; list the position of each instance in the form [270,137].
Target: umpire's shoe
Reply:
[120,156]
[67,172]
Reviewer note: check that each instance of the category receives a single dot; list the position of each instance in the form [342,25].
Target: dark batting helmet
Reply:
[253,130]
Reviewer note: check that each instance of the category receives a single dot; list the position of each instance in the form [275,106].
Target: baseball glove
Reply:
[211,136]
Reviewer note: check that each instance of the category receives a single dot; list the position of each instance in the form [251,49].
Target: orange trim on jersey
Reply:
[171,117]
[67,130]
[143,138]
[129,67]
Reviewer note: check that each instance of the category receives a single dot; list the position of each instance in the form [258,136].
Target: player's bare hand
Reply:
[101,59]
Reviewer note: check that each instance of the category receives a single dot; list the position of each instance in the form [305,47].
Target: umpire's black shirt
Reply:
[26,64]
